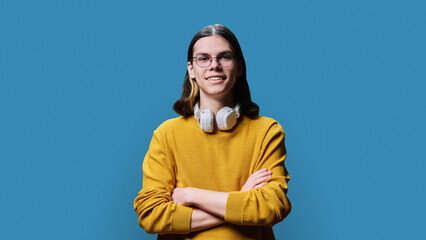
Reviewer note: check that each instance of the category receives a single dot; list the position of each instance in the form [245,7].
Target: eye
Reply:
[203,58]
[226,57]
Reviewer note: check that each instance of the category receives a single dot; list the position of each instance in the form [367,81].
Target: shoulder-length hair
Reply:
[190,90]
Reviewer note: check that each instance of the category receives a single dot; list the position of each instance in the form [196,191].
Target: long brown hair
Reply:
[190,91]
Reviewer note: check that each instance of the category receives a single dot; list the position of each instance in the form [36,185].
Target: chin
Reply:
[217,93]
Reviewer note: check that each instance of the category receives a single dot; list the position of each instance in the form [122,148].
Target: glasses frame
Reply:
[217,61]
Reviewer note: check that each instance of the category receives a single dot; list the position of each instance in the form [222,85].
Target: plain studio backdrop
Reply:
[83,84]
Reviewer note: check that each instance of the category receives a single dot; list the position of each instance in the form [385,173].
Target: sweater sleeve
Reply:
[156,211]
[266,205]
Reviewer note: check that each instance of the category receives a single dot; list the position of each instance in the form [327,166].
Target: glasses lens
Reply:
[203,60]
[226,60]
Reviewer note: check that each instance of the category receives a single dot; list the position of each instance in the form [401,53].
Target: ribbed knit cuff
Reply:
[235,207]
[182,219]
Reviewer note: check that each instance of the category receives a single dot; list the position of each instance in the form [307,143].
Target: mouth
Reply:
[216,78]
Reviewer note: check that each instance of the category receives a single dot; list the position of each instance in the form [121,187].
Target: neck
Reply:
[216,104]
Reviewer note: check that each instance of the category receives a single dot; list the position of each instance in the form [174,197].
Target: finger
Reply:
[261,185]
[253,179]
[250,183]
[261,176]
[260,173]
[261,180]
[263,172]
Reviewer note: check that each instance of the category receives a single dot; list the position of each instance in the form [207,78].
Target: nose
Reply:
[214,62]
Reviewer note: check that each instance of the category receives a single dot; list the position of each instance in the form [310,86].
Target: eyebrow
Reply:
[203,53]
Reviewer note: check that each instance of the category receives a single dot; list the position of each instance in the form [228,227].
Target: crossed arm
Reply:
[209,206]
[162,209]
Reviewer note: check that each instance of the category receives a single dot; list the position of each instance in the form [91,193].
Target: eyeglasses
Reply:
[204,60]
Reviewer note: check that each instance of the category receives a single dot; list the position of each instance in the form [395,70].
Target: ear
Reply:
[240,68]
[190,70]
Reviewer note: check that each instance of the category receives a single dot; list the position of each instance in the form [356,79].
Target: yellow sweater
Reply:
[182,155]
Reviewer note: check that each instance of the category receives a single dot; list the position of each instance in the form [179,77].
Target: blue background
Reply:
[83,84]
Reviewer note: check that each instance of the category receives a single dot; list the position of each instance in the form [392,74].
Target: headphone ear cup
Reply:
[206,120]
[226,118]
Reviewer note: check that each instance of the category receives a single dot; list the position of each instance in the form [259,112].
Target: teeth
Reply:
[215,78]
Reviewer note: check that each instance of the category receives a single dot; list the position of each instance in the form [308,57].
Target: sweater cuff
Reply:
[182,219]
[235,207]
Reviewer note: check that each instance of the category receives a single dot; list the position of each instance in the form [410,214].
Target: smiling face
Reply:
[214,81]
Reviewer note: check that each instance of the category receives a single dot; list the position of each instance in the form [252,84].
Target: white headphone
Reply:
[226,118]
